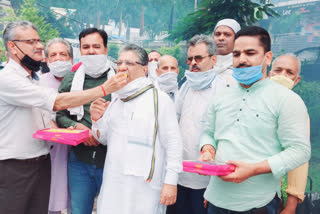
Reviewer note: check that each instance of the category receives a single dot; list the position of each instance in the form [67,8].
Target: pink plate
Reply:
[207,168]
[65,136]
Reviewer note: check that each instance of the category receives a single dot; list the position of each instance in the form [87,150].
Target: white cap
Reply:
[231,23]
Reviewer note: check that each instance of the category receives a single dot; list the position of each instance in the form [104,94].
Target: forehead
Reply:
[129,55]
[57,47]
[154,55]
[93,38]
[224,29]
[198,49]
[286,62]
[168,61]
[244,43]
[26,33]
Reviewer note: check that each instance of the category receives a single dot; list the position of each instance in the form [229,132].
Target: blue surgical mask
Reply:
[248,75]
[200,80]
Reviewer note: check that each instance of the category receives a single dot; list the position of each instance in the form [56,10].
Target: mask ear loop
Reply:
[19,50]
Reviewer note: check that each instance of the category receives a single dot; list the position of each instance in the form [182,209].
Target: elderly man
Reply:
[223,36]
[167,72]
[192,100]
[259,126]
[86,160]
[24,161]
[59,57]
[286,71]
[153,57]
[144,143]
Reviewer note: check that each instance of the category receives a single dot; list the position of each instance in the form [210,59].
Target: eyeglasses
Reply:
[197,58]
[128,63]
[29,41]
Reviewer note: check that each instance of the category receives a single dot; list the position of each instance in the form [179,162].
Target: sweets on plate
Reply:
[207,168]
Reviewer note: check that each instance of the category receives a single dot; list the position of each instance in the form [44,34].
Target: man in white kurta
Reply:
[140,174]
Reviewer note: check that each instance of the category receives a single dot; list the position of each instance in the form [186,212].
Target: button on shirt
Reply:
[20,98]
[264,122]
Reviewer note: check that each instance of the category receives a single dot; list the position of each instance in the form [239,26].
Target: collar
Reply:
[257,85]
[18,68]
[225,59]
[138,93]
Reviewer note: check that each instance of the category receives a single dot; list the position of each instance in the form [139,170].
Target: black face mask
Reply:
[30,63]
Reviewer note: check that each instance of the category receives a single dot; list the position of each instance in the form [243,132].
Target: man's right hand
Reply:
[115,83]
[90,141]
[207,153]
[97,108]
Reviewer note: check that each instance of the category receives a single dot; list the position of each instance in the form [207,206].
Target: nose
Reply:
[91,51]
[242,59]
[221,37]
[122,68]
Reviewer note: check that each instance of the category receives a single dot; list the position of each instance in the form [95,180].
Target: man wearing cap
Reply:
[223,36]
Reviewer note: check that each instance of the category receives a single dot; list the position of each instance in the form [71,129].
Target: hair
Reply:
[294,57]
[259,32]
[142,54]
[88,31]
[9,32]
[197,39]
[58,40]
[155,52]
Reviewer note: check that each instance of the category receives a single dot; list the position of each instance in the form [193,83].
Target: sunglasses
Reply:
[197,58]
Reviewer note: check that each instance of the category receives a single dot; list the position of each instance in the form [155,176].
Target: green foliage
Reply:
[211,11]
[179,54]
[113,50]
[284,186]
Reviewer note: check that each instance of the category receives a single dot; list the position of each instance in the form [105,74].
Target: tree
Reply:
[211,11]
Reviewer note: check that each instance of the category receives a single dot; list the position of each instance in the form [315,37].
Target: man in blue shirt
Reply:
[259,126]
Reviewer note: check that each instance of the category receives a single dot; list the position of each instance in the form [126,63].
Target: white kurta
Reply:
[223,68]
[127,129]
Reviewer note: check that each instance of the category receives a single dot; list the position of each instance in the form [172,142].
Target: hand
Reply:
[168,194]
[115,83]
[291,205]
[207,153]
[91,141]
[205,203]
[243,172]
[97,108]
[53,124]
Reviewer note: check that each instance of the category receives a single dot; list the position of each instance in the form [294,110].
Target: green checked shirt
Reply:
[264,122]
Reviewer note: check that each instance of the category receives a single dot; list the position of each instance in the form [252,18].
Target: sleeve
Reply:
[20,91]
[170,138]
[63,117]
[293,135]
[209,122]
[297,181]
[102,126]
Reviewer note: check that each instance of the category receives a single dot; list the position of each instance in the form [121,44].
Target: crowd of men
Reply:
[142,124]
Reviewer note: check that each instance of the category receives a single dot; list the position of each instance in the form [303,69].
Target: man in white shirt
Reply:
[167,72]
[223,36]
[144,143]
[24,161]
[153,58]
[191,102]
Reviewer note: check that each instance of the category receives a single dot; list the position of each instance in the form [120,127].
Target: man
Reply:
[201,85]
[144,144]
[223,36]
[59,57]
[153,57]
[286,71]
[86,160]
[167,72]
[24,161]
[259,126]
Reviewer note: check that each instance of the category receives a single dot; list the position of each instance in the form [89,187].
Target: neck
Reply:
[58,78]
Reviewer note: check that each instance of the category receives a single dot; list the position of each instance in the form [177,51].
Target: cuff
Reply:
[276,165]
[171,178]
[206,139]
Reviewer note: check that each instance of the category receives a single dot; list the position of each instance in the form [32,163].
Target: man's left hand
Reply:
[243,172]
[168,194]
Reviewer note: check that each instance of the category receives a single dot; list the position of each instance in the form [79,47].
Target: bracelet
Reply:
[104,92]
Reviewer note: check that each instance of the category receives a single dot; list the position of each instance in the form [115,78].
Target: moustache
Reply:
[195,67]
[37,51]
[243,65]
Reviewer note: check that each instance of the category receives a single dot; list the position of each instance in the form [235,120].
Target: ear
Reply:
[269,56]
[11,46]
[177,70]
[214,59]
[106,51]
[297,81]
[145,69]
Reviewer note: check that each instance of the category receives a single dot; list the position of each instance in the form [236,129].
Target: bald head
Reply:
[166,64]
[287,65]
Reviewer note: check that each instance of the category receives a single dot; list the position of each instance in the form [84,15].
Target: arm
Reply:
[99,120]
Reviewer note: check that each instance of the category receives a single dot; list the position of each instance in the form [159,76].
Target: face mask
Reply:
[95,65]
[200,80]
[152,66]
[28,62]
[168,82]
[248,75]
[60,68]
[282,80]
[44,67]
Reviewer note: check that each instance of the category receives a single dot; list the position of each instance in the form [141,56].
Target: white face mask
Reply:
[95,65]
[282,80]
[152,66]
[60,68]
[168,82]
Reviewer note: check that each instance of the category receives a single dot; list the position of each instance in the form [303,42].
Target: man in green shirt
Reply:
[86,161]
[259,126]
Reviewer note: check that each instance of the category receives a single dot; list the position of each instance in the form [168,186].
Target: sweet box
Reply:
[65,136]
[207,168]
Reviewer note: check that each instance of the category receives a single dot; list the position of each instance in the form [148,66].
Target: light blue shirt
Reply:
[264,122]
